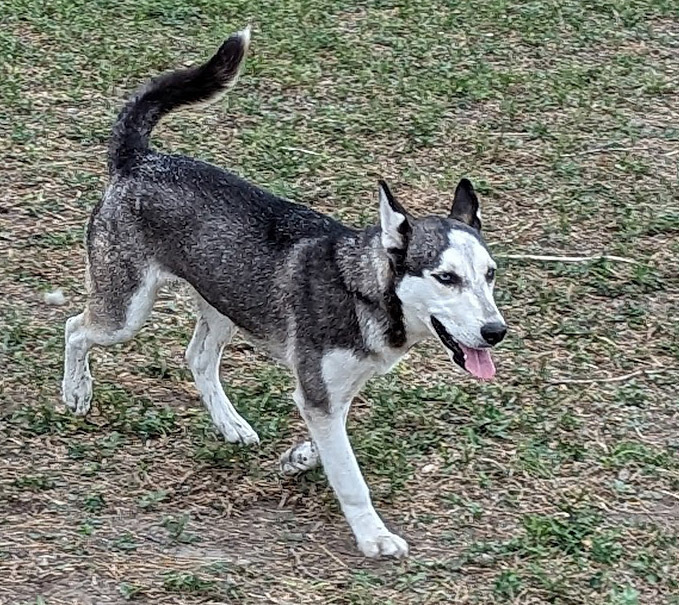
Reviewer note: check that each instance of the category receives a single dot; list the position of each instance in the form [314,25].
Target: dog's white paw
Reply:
[238,430]
[300,458]
[78,396]
[383,544]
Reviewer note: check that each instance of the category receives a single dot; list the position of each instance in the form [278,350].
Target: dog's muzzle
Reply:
[477,362]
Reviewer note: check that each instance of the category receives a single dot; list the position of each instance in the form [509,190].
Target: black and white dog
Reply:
[335,304]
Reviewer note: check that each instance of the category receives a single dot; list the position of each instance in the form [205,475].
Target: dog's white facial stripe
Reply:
[466,256]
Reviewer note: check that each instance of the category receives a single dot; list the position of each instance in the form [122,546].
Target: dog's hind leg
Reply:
[76,385]
[213,332]
[300,458]
[109,318]
[303,456]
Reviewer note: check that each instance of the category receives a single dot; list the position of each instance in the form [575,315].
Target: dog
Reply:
[335,304]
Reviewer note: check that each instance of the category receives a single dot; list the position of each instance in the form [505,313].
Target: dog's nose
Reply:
[493,332]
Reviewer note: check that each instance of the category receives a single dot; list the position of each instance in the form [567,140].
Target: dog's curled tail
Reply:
[199,84]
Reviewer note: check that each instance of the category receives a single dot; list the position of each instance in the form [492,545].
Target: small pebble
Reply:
[55,297]
[624,474]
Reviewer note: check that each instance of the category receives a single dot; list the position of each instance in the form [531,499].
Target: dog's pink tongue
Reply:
[478,362]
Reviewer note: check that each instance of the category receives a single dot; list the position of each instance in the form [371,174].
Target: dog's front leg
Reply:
[327,427]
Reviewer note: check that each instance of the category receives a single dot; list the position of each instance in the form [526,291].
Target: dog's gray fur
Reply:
[325,299]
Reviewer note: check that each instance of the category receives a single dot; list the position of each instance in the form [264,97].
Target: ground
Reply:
[556,483]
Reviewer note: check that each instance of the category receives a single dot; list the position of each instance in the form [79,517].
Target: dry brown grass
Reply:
[532,489]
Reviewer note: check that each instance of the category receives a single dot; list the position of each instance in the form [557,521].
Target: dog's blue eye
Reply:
[449,279]
[490,276]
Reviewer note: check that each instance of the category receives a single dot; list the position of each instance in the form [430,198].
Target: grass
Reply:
[530,489]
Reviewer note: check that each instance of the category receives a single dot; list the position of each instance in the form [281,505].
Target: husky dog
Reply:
[335,304]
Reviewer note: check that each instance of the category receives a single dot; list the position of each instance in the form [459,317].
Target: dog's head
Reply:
[444,277]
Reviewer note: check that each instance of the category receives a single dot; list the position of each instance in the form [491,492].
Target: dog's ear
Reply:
[466,205]
[394,224]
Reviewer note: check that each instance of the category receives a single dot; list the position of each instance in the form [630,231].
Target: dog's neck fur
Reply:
[368,274]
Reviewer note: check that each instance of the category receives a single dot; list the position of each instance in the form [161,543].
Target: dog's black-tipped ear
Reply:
[394,223]
[466,205]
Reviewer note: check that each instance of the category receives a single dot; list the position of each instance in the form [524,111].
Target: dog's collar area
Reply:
[448,341]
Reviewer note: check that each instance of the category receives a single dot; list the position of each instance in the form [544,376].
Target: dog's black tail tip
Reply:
[226,61]
[199,84]
[237,40]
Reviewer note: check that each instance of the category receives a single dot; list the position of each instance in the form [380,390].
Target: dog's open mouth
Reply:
[477,362]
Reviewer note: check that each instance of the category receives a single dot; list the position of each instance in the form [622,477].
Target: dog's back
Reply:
[231,240]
